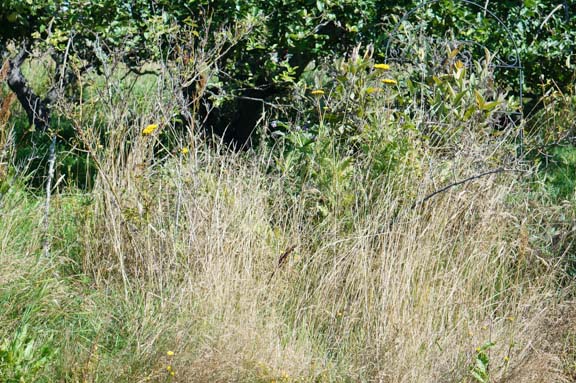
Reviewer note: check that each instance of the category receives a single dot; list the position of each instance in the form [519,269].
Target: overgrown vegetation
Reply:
[248,192]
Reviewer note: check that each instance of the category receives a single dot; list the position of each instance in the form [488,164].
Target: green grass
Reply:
[558,172]
[53,317]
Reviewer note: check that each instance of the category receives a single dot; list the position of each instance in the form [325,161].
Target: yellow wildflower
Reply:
[170,353]
[389,81]
[184,150]
[317,92]
[149,129]
[506,359]
[459,64]
[382,66]
[169,368]
[371,90]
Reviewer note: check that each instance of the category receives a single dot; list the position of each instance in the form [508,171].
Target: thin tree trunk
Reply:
[37,109]
[51,160]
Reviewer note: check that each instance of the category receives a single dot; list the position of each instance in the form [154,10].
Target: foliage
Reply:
[293,32]
[480,371]
[540,32]
[374,119]
[556,110]
[351,126]
[22,359]
[280,39]
[88,25]
[558,173]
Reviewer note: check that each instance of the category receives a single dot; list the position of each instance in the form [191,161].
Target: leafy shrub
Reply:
[366,120]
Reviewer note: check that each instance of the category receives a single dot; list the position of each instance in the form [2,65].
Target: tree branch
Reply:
[493,171]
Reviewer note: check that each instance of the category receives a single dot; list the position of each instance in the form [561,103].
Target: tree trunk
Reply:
[37,109]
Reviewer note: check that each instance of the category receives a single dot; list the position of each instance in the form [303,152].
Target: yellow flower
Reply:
[382,66]
[184,150]
[149,129]
[168,368]
[459,64]
[170,353]
[371,90]
[506,359]
[317,92]
[389,81]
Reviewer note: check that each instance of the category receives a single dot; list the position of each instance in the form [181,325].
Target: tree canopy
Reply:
[282,38]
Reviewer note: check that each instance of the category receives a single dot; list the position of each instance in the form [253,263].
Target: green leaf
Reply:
[29,350]
[479,99]
[478,377]
[481,366]
[489,106]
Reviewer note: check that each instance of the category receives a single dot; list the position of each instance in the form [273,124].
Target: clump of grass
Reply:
[392,293]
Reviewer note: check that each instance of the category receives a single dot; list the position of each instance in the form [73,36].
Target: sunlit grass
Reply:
[204,265]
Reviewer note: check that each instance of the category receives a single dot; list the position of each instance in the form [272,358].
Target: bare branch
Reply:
[450,186]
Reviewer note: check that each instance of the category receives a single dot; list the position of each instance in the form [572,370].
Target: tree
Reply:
[284,36]
[66,30]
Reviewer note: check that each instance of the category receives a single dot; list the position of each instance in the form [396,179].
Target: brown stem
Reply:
[442,190]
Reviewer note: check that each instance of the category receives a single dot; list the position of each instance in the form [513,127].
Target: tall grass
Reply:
[202,266]
[399,294]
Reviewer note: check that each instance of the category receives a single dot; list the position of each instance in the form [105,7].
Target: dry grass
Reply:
[183,254]
[400,297]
